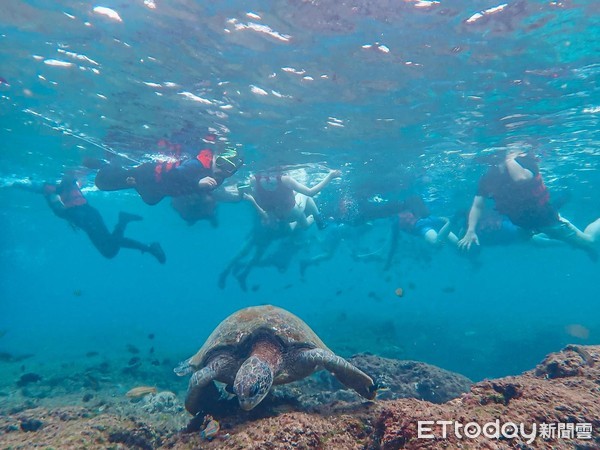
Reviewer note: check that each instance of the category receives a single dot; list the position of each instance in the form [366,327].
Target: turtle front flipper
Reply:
[202,392]
[349,375]
[183,368]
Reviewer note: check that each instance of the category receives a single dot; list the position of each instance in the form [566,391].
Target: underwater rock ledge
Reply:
[564,388]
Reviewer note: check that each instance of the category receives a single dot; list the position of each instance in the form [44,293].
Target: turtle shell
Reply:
[249,322]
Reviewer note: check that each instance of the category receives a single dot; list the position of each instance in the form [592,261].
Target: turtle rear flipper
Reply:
[345,372]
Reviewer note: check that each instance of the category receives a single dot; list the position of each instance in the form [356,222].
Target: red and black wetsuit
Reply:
[80,214]
[278,201]
[155,181]
[526,203]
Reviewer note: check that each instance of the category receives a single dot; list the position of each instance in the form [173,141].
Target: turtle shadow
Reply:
[224,407]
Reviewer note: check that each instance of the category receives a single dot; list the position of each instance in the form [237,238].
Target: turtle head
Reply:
[252,382]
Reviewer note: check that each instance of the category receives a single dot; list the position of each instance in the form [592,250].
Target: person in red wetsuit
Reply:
[516,186]
[280,198]
[68,202]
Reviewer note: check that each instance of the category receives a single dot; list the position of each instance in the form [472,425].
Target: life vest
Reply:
[70,195]
[527,204]
[280,200]
[161,168]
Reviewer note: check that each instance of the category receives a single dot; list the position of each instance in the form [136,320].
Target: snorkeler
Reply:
[258,241]
[516,186]
[351,220]
[68,202]
[280,198]
[414,218]
[155,181]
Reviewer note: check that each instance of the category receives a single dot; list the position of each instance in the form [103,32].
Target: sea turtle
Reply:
[257,347]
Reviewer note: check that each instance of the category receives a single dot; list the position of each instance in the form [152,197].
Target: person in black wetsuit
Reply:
[154,181]
[68,202]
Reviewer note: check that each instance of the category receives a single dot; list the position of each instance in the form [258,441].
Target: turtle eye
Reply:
[254,389]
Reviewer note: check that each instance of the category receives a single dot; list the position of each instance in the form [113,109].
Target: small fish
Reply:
[28,378]
[151,336]
[578,331]
[132,349]
[211,429]
[9,357]
[399,292]
[140,391]
[449,290]
[77,292]
[133,361]
[3,81]
[91,354]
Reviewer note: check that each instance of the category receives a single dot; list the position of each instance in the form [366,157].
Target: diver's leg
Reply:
[154,249]
[250,242]
[593,231]
[311,209]
[569,233]
[89,220]
[124,219]
[259,252]
[112,177]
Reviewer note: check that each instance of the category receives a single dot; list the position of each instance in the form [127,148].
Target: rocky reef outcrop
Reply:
[560,398]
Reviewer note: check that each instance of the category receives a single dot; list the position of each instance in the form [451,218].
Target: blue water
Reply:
[400,96]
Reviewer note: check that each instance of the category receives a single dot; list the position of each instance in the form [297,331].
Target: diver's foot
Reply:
[303,266]
[242,281]
[157,251]
[321,223]
[222,280]
[128,217]
[94,163]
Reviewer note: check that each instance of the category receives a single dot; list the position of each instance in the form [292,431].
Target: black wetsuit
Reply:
[73,207]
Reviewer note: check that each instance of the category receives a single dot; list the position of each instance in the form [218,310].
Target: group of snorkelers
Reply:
[285,207]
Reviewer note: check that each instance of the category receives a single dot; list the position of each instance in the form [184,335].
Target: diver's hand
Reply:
[335,174]
[207,183]
[130,181]
[468,240]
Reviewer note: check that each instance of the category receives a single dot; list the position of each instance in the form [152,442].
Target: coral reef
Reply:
[563,389]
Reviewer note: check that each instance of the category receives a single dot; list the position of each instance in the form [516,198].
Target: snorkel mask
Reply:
[229,161]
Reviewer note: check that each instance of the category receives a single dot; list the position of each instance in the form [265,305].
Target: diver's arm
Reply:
[516,171]
[299,187]
[261,212]
[475,213]
[30,186]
